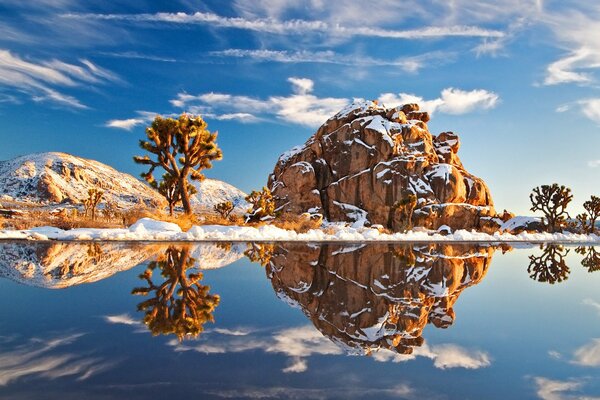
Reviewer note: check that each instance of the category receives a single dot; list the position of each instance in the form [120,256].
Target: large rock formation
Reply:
[364,164]
[366,298]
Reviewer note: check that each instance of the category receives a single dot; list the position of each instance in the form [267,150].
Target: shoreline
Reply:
[149,230]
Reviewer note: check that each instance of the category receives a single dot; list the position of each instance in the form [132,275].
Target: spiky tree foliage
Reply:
[180,304]
[182,148]
[551,266]
[552,200]
[592,206]
[91,202]
[404,209]
[260,253]
[224,209]
[591,258]
[583,222]
[263,205]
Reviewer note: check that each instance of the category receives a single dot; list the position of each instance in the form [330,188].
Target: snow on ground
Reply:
[150,230]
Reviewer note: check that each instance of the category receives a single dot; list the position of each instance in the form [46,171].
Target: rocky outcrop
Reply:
[368,162]
[365,298]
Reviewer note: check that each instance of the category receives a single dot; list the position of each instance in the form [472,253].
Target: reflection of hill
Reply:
[377,296]
[62,264]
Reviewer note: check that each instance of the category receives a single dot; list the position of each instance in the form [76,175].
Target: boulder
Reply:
[364,162]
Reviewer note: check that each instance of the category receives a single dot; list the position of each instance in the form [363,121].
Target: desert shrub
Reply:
[263,206]
[299,223]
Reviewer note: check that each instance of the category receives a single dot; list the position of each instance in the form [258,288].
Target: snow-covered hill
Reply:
[59,177]
[213,191]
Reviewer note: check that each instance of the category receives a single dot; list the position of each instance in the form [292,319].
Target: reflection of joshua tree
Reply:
[591,259]
[260,253]
[181,305]
[550,266]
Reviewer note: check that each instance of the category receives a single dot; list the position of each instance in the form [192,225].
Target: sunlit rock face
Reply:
[377,296]
[63,264]
[367,158]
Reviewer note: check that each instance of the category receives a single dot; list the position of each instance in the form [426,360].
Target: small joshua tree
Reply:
[182,148]
[583,222]
[263,206]
[552,200]
[224,209]
[92,201]
[592,206]
[591,259]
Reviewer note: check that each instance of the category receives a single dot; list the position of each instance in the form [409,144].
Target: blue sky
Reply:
[517,80]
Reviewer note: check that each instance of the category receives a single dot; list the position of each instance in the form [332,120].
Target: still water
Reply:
[299,321]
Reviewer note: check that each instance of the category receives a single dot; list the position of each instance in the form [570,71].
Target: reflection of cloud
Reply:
[588,355]
[297,365]
[233,332]
[37,358]
[549,389]
[444,356]
[592,303]
[402,391]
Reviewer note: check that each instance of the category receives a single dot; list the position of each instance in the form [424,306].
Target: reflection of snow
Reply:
[38,358]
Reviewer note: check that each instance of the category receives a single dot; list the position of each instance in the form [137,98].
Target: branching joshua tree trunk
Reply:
[592,206]
[552,200]
[182,148]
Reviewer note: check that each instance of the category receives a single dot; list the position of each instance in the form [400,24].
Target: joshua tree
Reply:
[183,148]
[180,304]
[92,201]
[552,200]
[169,188]
[263,205]
[592,206]
[550,266]
[224,209]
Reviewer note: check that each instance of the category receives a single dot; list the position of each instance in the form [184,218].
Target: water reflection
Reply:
[591,258]
[178,303]
[551,266]
[365,298]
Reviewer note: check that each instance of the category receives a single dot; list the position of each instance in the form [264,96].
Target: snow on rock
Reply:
[521,223]
[211,192]
[58,177]
[370,157]
[150,230]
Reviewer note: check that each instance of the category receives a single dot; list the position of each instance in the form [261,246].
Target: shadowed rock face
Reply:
[367,158]
[377,296]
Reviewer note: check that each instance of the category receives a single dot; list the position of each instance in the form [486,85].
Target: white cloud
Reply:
[141,118]
[451,101]
[39,79]
[297,365]
[591,302]
[591,109]
[444,356]
[407,64]
[122,319]
[588,355]
[594,163]
[38,358]
[550,389]
[294,26]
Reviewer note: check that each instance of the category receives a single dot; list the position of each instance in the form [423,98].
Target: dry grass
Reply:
[298,223]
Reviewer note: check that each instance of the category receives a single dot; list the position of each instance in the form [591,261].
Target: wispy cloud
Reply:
[40,79]
[40,358]
[588,355]
[294,26]
[594,163]
[303,107]
[408,64]
[589,108]
[552,389]
[137,56]
[451,101]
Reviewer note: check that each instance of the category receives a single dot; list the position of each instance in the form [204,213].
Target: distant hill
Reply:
[52,178]
[59,177]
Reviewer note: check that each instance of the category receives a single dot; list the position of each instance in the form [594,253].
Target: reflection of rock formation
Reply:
[377,296]
[551,266]
[58,265]
[178,304]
